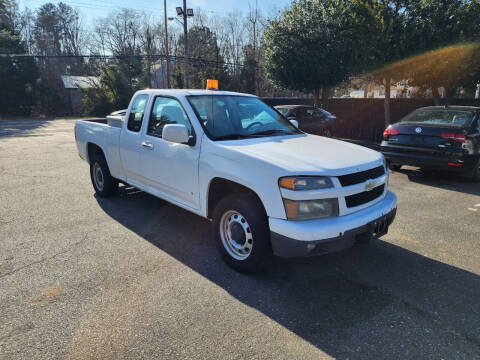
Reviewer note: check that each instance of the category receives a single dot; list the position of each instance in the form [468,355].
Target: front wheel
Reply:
[242,234]
[103,182]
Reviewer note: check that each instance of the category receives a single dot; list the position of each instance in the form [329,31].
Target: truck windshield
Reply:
[449,117]
[235,117]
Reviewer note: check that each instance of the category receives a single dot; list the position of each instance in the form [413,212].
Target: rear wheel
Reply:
[241,230]
[104,184]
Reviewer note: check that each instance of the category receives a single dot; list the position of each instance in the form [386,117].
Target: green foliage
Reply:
[319,43]
[202,45]
[440,24]
[18,74]
[113,92]
[248,72]
[309,46]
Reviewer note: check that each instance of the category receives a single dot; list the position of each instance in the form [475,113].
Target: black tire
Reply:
[395,167]
[109,185]
[474,174]
[256,219]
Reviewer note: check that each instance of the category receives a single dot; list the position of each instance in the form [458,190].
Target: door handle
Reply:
[147,145]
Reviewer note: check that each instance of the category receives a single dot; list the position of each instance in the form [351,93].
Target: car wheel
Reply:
[240,225]
[103,182]
[395,167]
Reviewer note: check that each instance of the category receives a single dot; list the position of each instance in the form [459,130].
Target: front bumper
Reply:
[318,237]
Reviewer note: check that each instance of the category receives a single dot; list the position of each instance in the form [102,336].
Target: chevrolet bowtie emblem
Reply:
[370,185]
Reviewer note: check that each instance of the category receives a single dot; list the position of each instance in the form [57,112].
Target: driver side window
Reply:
[166,111]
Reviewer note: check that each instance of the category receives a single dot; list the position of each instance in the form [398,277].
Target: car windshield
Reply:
[448,117]
[283,111]
[236,117]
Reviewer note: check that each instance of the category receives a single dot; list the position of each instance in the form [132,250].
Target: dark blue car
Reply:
[442,138]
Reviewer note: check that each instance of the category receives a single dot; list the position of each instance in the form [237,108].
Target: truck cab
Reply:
[268,188]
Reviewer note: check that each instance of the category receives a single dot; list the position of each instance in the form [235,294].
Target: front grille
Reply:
[364,197]
[360,177]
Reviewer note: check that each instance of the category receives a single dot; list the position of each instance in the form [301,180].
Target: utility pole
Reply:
[166,43]
[184,13]
[185,42]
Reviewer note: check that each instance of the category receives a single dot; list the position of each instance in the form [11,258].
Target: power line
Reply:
[103,5]
[120,57]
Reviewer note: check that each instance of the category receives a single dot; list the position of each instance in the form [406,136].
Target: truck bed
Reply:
[104,133]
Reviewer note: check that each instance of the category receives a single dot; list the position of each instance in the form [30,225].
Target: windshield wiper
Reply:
[253,135]
[232,137]
[273,132]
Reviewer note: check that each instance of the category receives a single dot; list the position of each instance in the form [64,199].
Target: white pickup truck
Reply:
[268,188]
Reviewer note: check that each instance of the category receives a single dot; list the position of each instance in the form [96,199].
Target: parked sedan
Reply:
[443,138]
[311,120]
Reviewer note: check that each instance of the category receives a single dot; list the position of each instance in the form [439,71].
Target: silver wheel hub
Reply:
[98,176]
[236,235]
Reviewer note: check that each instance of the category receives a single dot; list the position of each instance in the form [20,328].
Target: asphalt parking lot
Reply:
[134,277]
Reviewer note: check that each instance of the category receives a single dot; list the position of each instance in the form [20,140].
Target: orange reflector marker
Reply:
[212,84]
[291,207]
[287,183]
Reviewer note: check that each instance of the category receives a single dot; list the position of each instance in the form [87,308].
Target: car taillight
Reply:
[454,137]
[389,132]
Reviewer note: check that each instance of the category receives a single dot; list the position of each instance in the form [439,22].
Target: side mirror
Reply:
[176,133]
[294,122]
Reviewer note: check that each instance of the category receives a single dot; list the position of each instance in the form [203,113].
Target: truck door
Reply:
[170,168]
[131,138]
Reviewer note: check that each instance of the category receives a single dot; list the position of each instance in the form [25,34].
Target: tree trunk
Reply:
[449,94]
[436,96]
[316,95]
[386,103]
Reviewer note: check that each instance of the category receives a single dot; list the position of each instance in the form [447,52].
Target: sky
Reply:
[91,9]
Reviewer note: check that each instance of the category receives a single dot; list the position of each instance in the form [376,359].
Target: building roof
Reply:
[75,82]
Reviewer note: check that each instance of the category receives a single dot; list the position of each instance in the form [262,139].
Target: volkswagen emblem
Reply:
[418,130]
[370,185]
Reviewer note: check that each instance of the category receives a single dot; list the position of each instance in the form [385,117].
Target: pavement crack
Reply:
[46,258]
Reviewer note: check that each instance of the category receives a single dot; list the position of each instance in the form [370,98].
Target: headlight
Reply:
[311,209]
[305,182]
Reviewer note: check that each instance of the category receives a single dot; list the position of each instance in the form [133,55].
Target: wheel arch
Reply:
[220,187]
[93,149]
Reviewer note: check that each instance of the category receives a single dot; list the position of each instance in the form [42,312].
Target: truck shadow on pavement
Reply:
[373,301]
[19,128]
[441,179]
